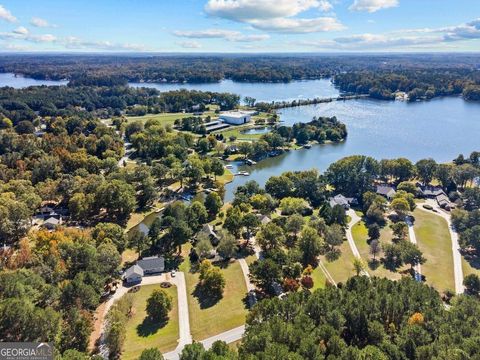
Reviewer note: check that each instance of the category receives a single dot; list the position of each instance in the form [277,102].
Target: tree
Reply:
[411,254]
[118,199]
[217,168]
[227,246]
[265,273]
[211,279]
[233,221]
[204,246]
[426,169]
[400,230]
[270,237]
[158,305]
[472,284]
[400,206]
[294,224]
[392,256]
[245,148]
[374,248]
[374,231]
[194,351]
[251,222]
[358,266]
[151,354]
[311,245]
[213,204]
[109,231]
[179,233]
[279,186]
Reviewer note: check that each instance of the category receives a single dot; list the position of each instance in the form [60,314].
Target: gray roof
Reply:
[385,189]
[264,219]
[208,229]
[442,199]
[339,200]
[151,263]
[133,270]
[432,191]
[52,221]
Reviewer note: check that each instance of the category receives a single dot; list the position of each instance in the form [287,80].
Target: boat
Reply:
[307,146]
[228,166]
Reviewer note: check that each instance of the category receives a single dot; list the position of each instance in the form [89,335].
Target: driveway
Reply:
[457,257]
[413,240]
[354,218]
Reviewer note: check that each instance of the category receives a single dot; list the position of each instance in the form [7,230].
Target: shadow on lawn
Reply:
[206,298]
[150,326]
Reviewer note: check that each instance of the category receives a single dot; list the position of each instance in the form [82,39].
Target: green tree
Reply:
[270,237]
[213,204]
[227,246]
[472,284]
[426,169]
[311,245]
[265,273]
[151,354]
[158,305]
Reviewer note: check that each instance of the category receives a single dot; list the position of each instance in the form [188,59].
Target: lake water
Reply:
[18,82]
[267,92]
[440,128]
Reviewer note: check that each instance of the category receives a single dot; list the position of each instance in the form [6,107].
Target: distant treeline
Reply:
[109,70]
[104,102]
[417,83]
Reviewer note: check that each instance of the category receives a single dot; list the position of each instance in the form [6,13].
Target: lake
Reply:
[18,82]
[441,128]
[307,89]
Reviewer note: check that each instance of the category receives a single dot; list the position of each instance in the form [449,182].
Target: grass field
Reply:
[228,313]
[434,241]
[141,334]
[470,268]
[319,278]
[165,118]
[360,236]
[342,268]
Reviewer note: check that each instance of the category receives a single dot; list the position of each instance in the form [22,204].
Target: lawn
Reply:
[360,236]
[228,313]
[141,334]
[434,241]
[471,267]
[342,268]
[165,118]
[319,278]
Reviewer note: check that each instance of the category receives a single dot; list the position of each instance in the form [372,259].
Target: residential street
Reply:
[413,240]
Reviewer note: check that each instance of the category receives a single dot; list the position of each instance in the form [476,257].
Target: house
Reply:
[430,192]
[386,190]
[235,117]
[444,202]
[133,275]
[264,219]
[52,223]
[152,264]
[341,200]
[209,230]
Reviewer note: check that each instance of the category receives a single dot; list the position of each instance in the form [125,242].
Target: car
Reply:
[173,273]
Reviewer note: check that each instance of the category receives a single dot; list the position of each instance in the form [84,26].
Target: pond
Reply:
[18,82]
[307,89]
[440,128]
[256,130]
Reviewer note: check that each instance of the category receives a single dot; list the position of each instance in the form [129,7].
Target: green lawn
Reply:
[434,241]
[342,268]
[319,278]
[228,313]
[470,267]
[166,118]
[141,334]
[360,236]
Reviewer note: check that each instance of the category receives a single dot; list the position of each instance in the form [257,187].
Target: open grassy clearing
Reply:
[472,267]
[143,334]
[360,236]
[434,241]
[342,268]
[165,118]
[228,313]
[319,278]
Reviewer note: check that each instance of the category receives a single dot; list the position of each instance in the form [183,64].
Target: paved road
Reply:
[246,272]
[227,336]
[413,240]
[354,218]
[457,257]
[326,272]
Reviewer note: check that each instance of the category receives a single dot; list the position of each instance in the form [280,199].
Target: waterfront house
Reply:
[386,191]
[341,200]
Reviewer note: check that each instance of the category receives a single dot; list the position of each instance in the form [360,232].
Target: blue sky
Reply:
[240,25]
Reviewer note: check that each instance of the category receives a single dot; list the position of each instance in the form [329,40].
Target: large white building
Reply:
[236,117]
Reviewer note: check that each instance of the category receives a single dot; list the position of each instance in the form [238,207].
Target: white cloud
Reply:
[21,30]
[275,15]
[6,15]
[39,22]
[292,25]
[44,38]
[229,35]
[408,38]
[189,44]
[15,47]
[245,10]
[77,43]
[373,5]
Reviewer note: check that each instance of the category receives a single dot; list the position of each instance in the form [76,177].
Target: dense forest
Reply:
[90,102]
[108,70]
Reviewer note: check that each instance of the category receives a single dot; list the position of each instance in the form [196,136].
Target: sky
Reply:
[240,26]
